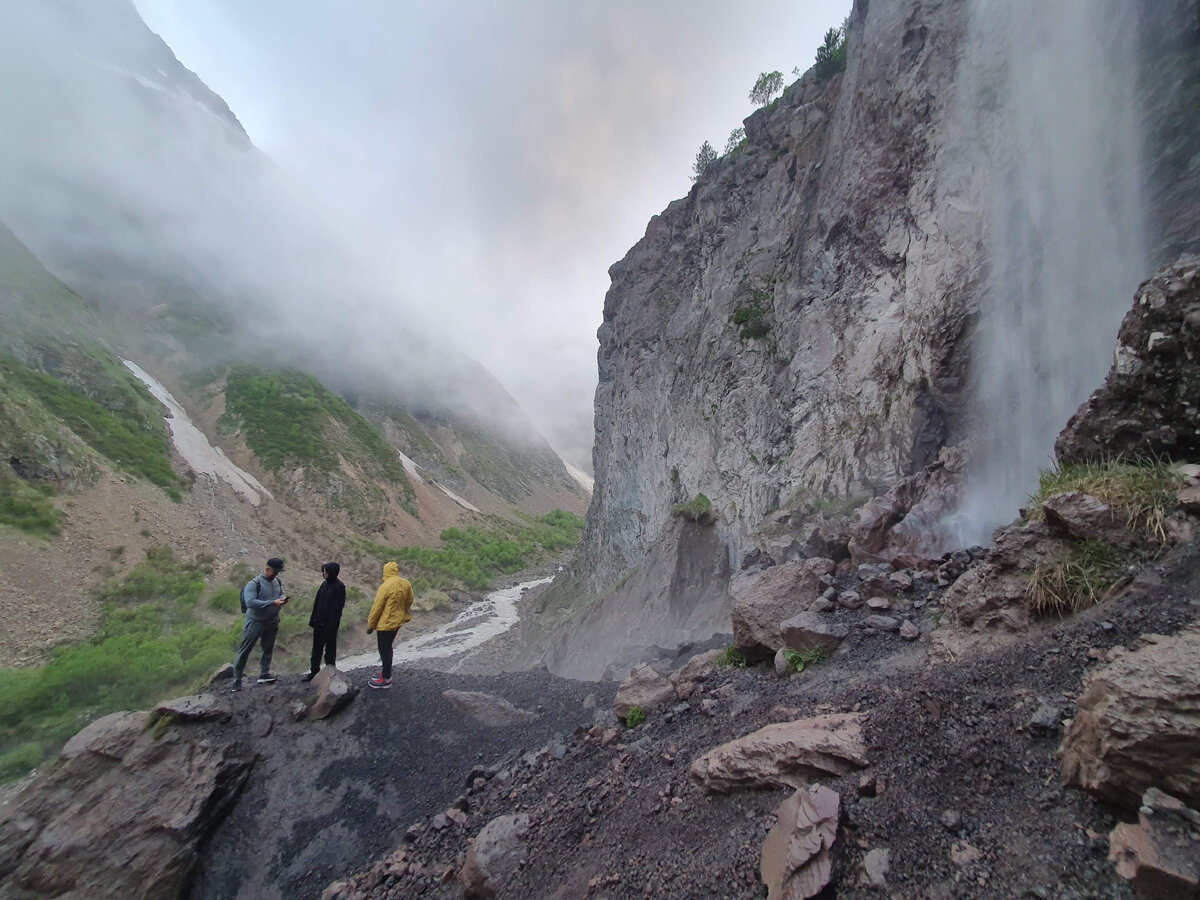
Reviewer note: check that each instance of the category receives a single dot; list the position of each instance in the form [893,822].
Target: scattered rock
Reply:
[950,820]
[782,667]
[1138,725]
[487,708]
[909,631]
[645,688]
[823,605]
[785,754]
[299,710]
[850,600]
[698,668]
[901,580]
[963,854]
[1160,855]
[879,603]
[1046,719]
[334,691]
[263,724]
[498,851]
[796,859]
[881,623]
[763,598]
[875,867]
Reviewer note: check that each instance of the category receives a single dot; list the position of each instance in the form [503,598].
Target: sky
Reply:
[494,159]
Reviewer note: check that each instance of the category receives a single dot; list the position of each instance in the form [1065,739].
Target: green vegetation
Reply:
[737,140]
[491,466]
[635,717]
[831,55]
[732,658]
[125,438]
[766,87]
[798,660]
[227,599]
[471,557]
[27,506]
[149,645]
[432,600]
[705,158]
[289,418]
[1140,490]
[1082,577]
[750,318]
[699,509]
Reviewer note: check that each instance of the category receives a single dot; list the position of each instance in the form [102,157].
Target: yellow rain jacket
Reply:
[392,600]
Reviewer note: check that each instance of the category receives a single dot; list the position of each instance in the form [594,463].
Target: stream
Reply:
[474,626]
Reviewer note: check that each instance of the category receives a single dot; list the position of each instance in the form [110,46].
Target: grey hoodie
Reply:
[260,595]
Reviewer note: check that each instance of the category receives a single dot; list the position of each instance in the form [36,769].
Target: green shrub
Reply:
[831,55]
[1081,577]
[432,600]
[635,717]
[28,507]
[798,660]
[699,509]
[751,318]
[226,600]
[20,760]
[732,658]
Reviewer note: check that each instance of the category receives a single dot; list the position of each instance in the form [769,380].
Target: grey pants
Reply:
[252,631]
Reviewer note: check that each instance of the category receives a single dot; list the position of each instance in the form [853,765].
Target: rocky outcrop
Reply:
[786,754]
[1160,855]
[334,691]
[797,858]
[1147,406]
[122,814]
[1138,723]
[834,228]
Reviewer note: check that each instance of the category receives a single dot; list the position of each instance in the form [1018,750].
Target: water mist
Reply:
[1049,92]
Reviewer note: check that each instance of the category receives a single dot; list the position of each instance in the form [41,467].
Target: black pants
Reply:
[386,638]
[324,642]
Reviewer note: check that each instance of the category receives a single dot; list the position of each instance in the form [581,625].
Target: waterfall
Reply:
[1049,92]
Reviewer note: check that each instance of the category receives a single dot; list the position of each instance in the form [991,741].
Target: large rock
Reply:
[786,754]
[1138,723]
[122,814]
[764,598]
[487,708]
[644,688]
[497,853]
[809,631]
[1147,405]
[1160,856]
[797,858]
[200,708]
[334,691]
[1082,517]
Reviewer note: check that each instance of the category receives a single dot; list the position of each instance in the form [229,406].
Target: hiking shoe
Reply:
[267,679]
[235,687]
[380,682]
[309,677]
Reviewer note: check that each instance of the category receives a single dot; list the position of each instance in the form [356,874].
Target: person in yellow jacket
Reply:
[388,613]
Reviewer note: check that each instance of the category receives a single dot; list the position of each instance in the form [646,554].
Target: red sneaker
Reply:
[380,682]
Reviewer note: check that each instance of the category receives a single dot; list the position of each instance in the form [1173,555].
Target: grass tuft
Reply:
[27,507]
[635,717]
[699,509]
[1141,490]
[1086,574]
[798,660]
[732,658]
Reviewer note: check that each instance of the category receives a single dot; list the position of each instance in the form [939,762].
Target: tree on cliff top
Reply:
[831,56]
[768,85]
[704,158]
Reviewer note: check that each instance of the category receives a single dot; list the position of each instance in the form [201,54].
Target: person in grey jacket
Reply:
[262,598]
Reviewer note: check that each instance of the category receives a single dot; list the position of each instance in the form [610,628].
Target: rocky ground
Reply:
[963,787]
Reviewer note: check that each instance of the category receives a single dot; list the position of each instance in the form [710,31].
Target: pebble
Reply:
[879,603]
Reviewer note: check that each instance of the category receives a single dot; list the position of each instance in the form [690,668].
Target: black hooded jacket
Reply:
[331,600]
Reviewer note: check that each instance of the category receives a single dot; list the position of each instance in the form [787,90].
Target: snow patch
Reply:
[586,480]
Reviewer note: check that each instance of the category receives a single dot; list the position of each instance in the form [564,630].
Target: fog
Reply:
[466,172]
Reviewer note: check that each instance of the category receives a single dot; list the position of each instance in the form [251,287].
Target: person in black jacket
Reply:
[325,619]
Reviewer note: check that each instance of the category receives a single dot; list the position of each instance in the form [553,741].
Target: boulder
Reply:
[122,814]
[785,754]
[698,668]
[881,623]
[875,867]
[644,688]
[497,853]
[222,673]
[763,598]
[1159,856]
[1147,404]
[487,708]
[334,691]
[808,631]
[1138,723]
[796,860]
[1082,517]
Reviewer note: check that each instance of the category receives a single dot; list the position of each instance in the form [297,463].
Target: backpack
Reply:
[257,588]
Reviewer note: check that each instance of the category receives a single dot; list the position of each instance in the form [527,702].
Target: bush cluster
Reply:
[699,509]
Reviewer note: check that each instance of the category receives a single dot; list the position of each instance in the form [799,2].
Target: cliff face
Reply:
[840,229]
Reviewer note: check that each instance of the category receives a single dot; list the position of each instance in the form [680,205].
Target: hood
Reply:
[391,570]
